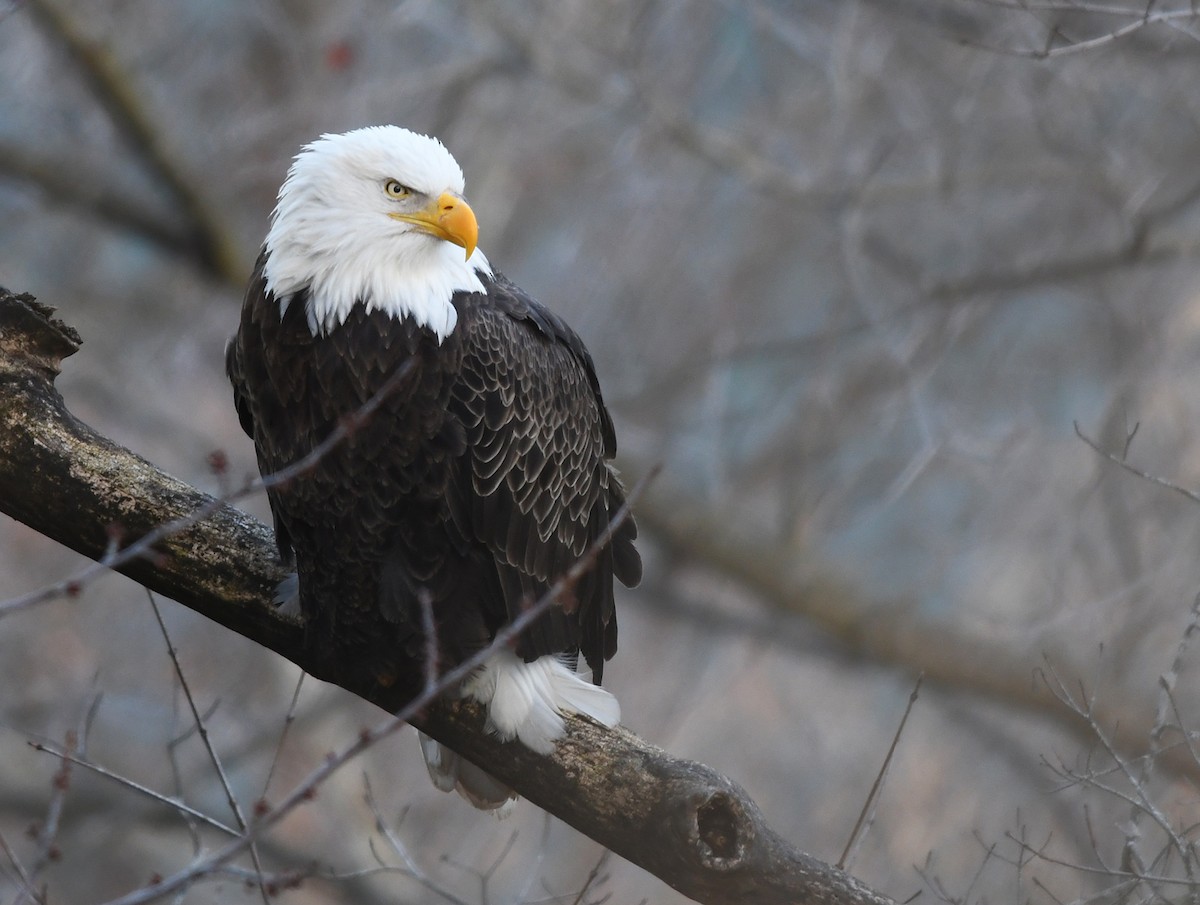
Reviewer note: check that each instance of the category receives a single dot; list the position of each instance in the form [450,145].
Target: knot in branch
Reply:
[720,833]
[30,337]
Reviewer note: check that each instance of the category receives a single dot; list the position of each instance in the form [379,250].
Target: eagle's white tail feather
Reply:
[525,701]
[450,772]
[442,763]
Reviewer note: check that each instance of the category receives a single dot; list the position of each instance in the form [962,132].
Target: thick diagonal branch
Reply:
[687,824]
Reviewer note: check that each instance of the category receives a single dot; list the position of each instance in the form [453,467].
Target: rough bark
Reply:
[687,824]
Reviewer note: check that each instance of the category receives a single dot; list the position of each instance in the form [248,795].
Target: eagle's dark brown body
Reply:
[481,477]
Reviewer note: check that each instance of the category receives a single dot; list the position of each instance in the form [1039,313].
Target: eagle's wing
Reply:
[235,367]
[535,486]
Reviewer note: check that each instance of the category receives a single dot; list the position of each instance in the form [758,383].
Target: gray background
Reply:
[850,270]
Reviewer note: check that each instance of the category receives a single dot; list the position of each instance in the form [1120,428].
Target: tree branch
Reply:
[690,826]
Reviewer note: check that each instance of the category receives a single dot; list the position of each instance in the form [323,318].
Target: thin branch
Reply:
[1138,21]
[174,803]
[201,725]
[177,775]
[1124,876]
[593,878]
[288,720]
[27,887]
[1164,712]
[856,836]
[76,740]
[409,868]
[485,876]
[1071,6]
[199,721]
[1140,798]
[1144,475]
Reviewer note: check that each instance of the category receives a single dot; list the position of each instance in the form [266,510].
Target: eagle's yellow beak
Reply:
[448,218]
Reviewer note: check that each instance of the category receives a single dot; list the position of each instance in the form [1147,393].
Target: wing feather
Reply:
[243,375]
[539,439]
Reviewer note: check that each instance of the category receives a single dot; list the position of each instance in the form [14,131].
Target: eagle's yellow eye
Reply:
[396,189]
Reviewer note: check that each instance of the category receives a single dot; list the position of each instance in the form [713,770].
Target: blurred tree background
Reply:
[852,270]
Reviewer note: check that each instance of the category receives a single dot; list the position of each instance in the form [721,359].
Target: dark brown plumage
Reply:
[478,481]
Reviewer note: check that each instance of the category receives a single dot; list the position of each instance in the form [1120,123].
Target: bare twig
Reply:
[174,803]
[1119,874]
[484,876]
[288,720]
[409,868]
[1165,710]
[177,774]
[1086,712]
[1058,44]
[1139,798]
[1144,475]
[26,881]
[934,883]
[859,832]
[594,877]
[1136,868]
[47,846]
[201,725]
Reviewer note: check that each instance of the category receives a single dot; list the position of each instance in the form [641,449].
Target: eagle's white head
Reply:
[375,215]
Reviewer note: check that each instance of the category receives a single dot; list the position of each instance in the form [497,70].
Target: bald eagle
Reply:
[482,476]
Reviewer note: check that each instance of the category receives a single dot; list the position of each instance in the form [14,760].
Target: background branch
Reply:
[208,241]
